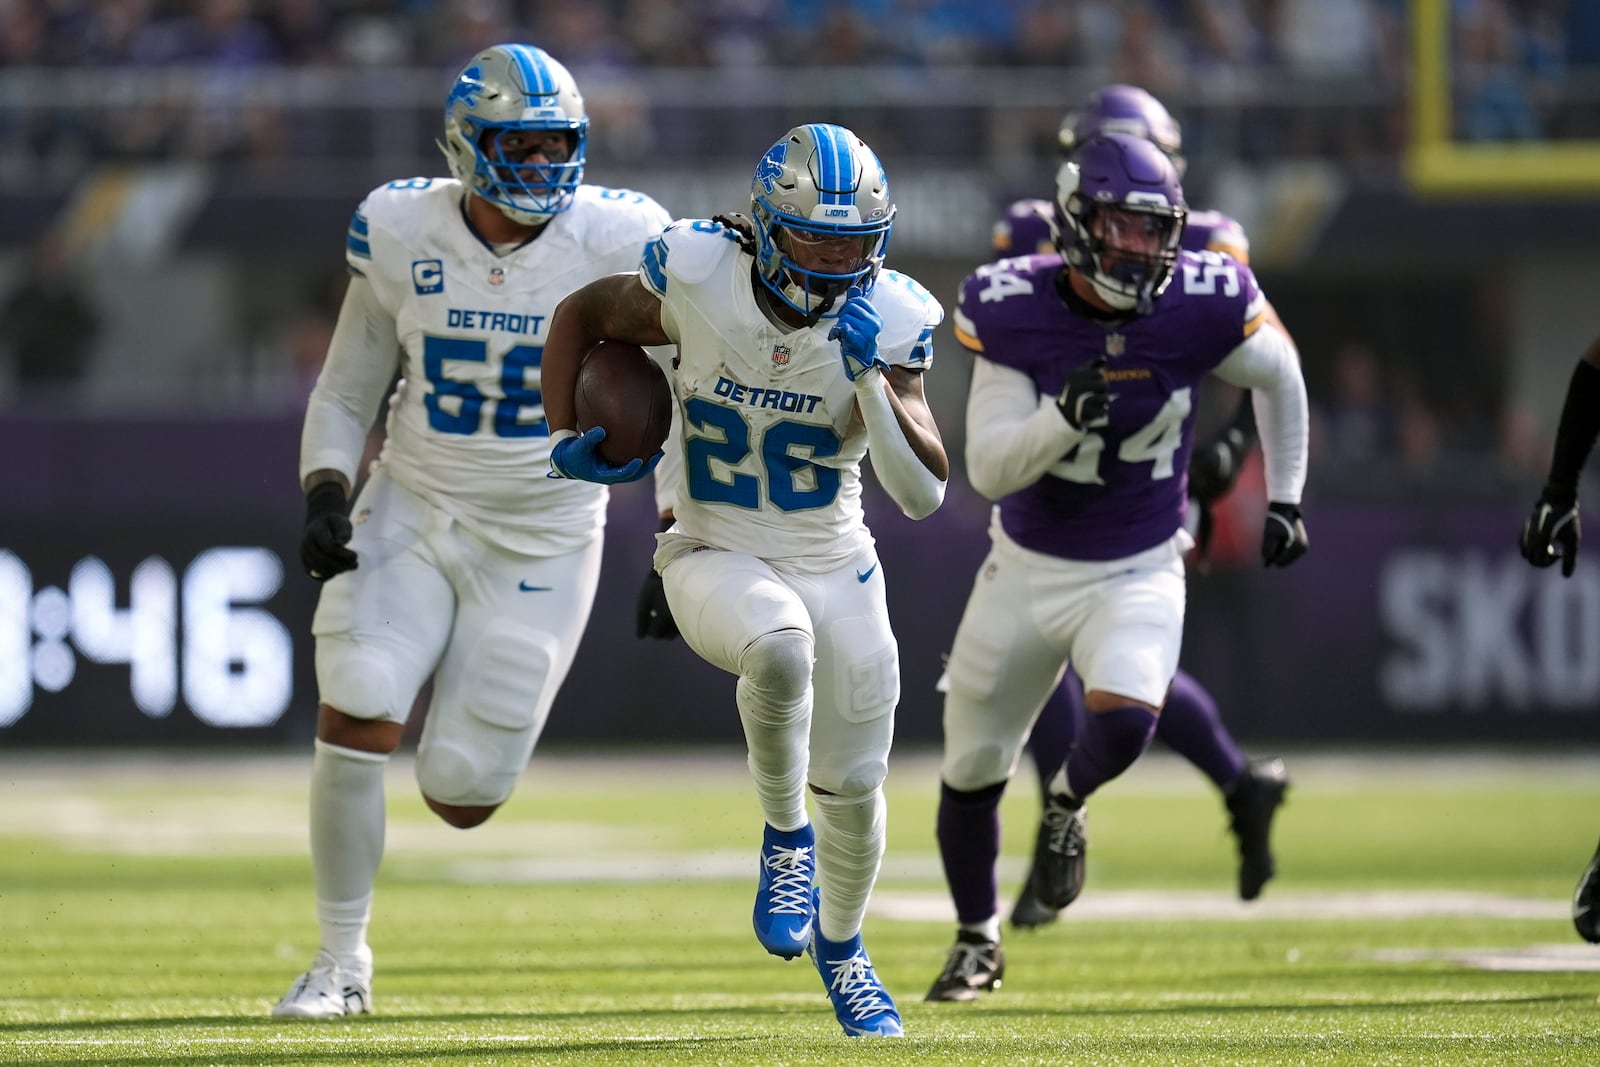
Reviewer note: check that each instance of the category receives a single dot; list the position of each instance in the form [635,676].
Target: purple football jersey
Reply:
[1024,230]
[1121,489]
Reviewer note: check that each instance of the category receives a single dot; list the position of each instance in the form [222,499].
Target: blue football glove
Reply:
[857,330]
[579,457]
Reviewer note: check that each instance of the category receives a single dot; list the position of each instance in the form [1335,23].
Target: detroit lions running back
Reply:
[799,356]
[462,561]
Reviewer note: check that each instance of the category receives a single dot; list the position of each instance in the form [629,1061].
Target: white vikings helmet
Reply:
[503,100]
[818,184]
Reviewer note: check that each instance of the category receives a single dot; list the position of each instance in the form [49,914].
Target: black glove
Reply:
[1552,525]
[1085,401]
[654,618]
[1283,539]
[655,615]
[322,544]
[1213,468]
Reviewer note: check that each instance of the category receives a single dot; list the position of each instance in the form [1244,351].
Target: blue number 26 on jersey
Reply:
[793,483]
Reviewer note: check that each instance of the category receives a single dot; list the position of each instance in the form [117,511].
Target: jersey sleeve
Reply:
[375,243]
[680,257]
[1229,238]
[1225,306]
[910,315]
[990,298]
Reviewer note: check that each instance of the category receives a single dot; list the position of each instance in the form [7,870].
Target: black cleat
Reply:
[976,965]
[1252,804]
[1056,877]
[1027,913]
[1586,902]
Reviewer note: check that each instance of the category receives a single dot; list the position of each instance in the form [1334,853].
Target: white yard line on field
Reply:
[1141,905]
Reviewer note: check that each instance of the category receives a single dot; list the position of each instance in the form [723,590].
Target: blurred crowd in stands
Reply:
[1156,41]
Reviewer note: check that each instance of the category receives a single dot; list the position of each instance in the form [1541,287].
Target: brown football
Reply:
[622,389]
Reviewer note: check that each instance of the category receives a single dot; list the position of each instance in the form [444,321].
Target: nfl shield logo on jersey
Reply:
[497,276]
[1116,344]
[780,355]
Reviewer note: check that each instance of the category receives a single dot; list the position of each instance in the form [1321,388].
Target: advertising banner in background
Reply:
[151,594]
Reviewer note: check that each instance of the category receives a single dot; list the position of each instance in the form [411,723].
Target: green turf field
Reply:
[151,911]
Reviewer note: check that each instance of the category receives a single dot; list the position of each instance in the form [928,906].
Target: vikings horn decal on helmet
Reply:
[820,194]
[1124,109]
[1119,218]
[507,88]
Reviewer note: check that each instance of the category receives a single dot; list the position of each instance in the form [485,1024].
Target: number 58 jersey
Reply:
[466,426]
[1121,488]
[772,439]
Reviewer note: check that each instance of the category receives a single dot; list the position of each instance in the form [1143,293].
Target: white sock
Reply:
[774,699]
[850,840]
[347,826]
[989,929]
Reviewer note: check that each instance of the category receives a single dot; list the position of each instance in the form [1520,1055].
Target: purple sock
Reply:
[969,845]
[1192,727]
[1055,731]
[1110,742]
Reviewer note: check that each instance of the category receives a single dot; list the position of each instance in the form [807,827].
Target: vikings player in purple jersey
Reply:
[1080,426]
[1190,723]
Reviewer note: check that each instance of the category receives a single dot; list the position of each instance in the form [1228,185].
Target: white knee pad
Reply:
[359,681]
[478,739]
[775,675]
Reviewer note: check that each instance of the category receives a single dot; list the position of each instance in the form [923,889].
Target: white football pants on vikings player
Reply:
[497,630]
[724,601]
[1030,615]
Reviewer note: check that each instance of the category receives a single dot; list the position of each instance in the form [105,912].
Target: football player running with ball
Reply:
[1080,426]
[462,562]
[1551,533]
[799,355]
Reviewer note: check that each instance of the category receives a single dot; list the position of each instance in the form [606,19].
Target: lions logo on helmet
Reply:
[1119,218]
[515,88]
[822,189]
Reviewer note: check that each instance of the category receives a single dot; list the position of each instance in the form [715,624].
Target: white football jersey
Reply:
[466,428]
[772,439]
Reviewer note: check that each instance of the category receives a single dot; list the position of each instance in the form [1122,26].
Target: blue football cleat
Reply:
[784,901]
[860,1003]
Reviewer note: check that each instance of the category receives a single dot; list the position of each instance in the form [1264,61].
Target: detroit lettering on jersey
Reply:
[496,321]
[757,397]
[466,426]
[1121,489]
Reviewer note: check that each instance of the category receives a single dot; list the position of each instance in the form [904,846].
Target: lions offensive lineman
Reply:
[799,356]
[463,561]
[1190,723]
[1080,424]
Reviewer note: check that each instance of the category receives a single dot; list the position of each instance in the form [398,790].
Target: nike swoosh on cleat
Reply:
[862,576]
[526,588]
[801,934]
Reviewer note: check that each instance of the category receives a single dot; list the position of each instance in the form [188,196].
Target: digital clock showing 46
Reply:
[195,635]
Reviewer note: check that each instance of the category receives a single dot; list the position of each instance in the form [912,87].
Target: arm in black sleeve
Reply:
[1580,424]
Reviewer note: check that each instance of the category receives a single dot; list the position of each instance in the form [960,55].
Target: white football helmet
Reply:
[515,87]
[819,183]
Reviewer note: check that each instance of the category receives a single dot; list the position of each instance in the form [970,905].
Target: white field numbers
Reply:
[1158,440]
[232,660]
